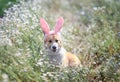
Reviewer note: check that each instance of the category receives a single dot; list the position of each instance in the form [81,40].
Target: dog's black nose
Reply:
[53,47]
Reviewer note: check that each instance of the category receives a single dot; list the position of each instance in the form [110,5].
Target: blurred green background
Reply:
[5,4]
[90,31]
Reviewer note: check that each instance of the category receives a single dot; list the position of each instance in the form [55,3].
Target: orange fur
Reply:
[72,59]
[53,45]
[67,59]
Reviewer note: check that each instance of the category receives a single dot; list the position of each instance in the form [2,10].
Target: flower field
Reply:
[91,31]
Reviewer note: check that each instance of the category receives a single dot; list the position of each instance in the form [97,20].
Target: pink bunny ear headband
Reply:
[46,29]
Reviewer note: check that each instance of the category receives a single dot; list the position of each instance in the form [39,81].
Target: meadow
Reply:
[91,31]
[5,4]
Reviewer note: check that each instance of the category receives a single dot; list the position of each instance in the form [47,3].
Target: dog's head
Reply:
[52,39]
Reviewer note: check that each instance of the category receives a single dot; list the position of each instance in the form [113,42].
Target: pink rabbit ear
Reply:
[59,24]
[44,26]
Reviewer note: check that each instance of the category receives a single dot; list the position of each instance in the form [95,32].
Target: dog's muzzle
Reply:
[54,47]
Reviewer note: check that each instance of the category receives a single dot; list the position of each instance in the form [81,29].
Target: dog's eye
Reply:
[56,40]
[50,41]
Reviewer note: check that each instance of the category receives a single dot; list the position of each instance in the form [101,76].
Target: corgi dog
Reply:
[57,54]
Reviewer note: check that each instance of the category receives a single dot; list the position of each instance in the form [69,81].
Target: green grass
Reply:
[90,31]
[5,4]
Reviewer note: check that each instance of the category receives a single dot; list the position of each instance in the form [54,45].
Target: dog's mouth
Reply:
[54,50]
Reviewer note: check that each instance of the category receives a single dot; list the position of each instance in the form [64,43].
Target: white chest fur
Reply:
[56,58]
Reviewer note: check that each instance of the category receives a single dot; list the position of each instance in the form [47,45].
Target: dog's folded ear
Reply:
[59,24]
[44,26]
